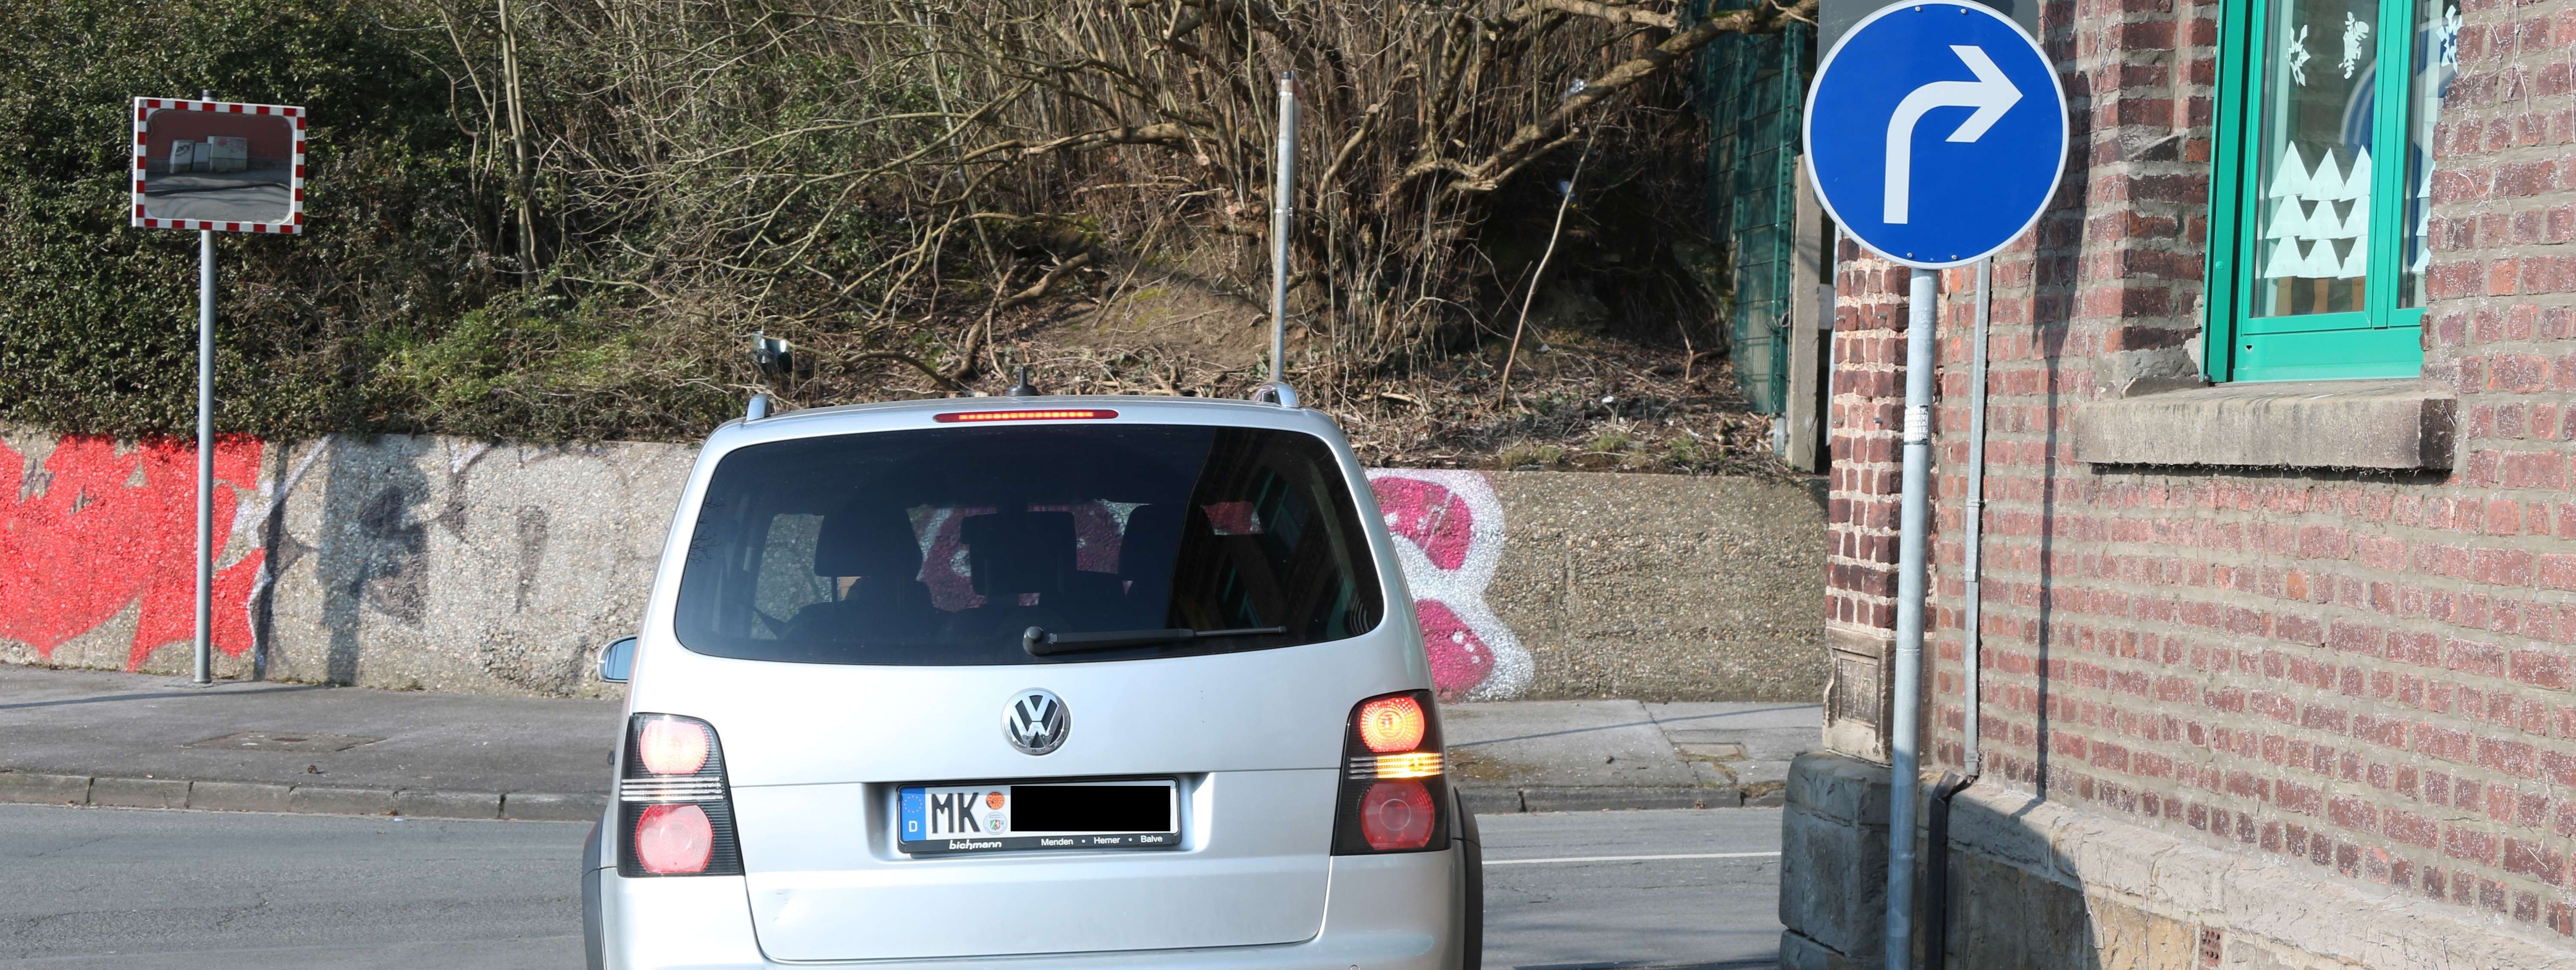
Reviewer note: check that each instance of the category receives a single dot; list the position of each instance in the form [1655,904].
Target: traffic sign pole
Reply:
[1913,518]
[1936,133]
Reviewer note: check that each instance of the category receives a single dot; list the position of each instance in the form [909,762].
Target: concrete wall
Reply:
[457,565]
[2039,885]
[398,562]
[1662,587]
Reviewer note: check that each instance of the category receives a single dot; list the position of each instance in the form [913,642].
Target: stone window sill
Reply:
[2388,424]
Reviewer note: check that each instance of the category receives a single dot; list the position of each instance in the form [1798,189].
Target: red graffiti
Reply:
[1459,658]
[101,526]
[1435,519]
[1448,530]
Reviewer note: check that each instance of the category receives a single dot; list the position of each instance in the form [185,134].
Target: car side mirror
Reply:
[618,661]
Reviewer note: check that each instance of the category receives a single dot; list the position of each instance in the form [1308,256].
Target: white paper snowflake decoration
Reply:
[2296,56]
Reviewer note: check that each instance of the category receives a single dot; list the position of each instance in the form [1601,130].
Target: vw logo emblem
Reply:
[1037,721]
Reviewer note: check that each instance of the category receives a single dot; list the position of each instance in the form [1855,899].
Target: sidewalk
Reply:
[84,736]
[1565,756]
[132,740]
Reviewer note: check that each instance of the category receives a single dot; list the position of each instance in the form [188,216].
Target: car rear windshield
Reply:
[947,546]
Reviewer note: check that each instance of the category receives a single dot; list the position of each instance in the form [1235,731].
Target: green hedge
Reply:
[386,315]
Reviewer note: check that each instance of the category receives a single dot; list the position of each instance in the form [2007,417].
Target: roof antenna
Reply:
[1023,388]
[1283,201]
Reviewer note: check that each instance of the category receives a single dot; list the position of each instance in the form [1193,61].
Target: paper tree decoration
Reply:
[2278,259]
[2423,228]
[2306,222]
[2288,221]
[2290,178]
[2326,183]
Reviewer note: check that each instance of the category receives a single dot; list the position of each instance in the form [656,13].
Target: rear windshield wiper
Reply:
[1040,643]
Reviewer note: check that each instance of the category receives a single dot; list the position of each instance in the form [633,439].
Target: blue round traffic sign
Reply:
[1936,132]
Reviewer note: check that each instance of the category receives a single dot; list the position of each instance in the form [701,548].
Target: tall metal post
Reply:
[205,455]
[205,449]
[1913,520]
[1282,199]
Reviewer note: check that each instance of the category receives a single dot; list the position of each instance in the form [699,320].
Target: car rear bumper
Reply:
[1392,912]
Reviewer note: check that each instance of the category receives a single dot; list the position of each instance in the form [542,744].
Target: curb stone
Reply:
[138,792]
[427,803]
[33,789]
[1491,801]
[552,807]
[38,788]
[236,796]
[1503,801]
[335,800]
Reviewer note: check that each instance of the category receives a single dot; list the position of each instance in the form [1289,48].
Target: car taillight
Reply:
[1395,785]
[1397,815]
[675,812]
[674,840]
[1392,724]
[671,746]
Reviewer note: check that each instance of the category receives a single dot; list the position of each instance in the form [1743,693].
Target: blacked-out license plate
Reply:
[1137,814]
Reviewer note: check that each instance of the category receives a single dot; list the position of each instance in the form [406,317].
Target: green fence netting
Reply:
[1753,89]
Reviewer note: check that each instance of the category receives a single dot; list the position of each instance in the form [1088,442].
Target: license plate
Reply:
[1138,814]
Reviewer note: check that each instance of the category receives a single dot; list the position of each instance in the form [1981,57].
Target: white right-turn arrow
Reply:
[1991,94]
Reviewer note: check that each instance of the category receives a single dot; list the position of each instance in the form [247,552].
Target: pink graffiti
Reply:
[1438,521]
[1460,660]
[1448,528]
[100,527]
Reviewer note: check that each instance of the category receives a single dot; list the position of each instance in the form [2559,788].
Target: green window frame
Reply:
[2284,299]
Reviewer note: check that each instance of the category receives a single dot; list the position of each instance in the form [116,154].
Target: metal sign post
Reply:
[1907,70]
[205,456]
[215,166]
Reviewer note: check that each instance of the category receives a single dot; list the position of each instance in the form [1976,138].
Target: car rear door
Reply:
[817,754]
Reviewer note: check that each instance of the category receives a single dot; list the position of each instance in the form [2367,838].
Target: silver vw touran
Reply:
[1031,682]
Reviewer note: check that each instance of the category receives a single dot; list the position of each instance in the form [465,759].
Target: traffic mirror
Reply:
[218,165]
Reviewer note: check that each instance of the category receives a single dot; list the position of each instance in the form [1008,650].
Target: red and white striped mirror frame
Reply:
[143,109]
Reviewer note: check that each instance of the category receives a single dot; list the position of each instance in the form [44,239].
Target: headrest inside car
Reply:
[1152,541]
[1019,552]
[877,543]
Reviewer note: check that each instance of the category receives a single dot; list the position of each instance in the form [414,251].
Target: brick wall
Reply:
[2366,674]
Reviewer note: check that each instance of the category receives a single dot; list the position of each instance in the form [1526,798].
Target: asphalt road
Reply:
[247,202]
[1552,900]
[105,887]
[96,887]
